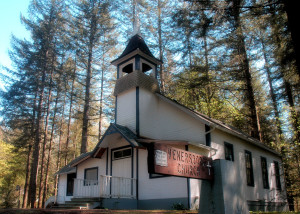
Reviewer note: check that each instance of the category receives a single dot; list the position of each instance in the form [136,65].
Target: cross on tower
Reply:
[136,19]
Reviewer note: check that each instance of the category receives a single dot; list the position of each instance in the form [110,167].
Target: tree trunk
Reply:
[25,197]
[292,11]
[161,67]
[45,140]
[293,110]
[86,110]
[70,115]
[35,156]
[272,92]
[207,88]
[101,98]
[49,151]
[36,148]
[59,144]
[244,62]
[26,202]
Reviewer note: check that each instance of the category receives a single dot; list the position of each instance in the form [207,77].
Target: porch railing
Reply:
[106,187]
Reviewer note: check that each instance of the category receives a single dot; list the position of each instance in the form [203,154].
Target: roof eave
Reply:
[81,160]
[133,53]
[132,142]
[249,139]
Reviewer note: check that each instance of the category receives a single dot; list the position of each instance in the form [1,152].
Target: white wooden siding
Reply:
[122,167]
[158,188]
[239,174]
[91,163]
[161,120]
[62,189]
[126,109]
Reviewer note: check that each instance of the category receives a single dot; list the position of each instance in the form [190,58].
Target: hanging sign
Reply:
[167,160]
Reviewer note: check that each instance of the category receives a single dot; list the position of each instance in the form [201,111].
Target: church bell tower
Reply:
[136,57]
[136,70]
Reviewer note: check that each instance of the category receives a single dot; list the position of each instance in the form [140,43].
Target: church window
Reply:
[229,151]
[120,154]
[207,135]
[249,168]
[277,175]
[91,176]
[264,170]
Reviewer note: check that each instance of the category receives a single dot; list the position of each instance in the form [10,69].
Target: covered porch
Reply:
[106,187]
[108,172]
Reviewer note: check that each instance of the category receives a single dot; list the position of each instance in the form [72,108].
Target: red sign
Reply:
[169,160]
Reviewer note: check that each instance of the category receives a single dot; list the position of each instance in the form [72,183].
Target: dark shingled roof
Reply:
[125,133]
[113,128]
[68,168]
[136,42]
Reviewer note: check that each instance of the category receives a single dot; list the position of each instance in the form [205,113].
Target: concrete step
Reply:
[86,199]
[71,206]
[80,203]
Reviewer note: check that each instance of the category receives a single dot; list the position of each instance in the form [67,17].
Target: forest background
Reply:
[234,60]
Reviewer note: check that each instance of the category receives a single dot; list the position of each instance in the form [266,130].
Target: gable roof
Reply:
[125,132]
[218,124]
[69,168]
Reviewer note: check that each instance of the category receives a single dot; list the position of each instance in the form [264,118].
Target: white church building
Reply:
[160,154]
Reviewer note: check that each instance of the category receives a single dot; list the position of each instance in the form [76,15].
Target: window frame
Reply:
[122,150]
[86,183]
[277,175]
[228,147]
[249,168]
[264,172]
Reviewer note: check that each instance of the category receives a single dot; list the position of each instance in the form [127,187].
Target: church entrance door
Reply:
[121,183]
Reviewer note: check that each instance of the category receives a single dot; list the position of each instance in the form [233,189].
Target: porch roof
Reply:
[69,168]
[125,132]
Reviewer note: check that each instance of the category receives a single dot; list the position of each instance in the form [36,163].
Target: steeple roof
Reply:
[136,42]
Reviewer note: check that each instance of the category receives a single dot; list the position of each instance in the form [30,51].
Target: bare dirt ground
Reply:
[95,211]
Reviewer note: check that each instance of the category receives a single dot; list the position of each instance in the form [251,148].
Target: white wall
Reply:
[161,120]
[235,176]
[91,163]
[126,109]
[158,188]
[62,189]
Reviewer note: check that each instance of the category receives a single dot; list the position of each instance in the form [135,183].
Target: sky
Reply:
[10,11]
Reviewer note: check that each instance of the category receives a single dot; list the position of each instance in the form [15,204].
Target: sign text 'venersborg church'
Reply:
[169,160]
